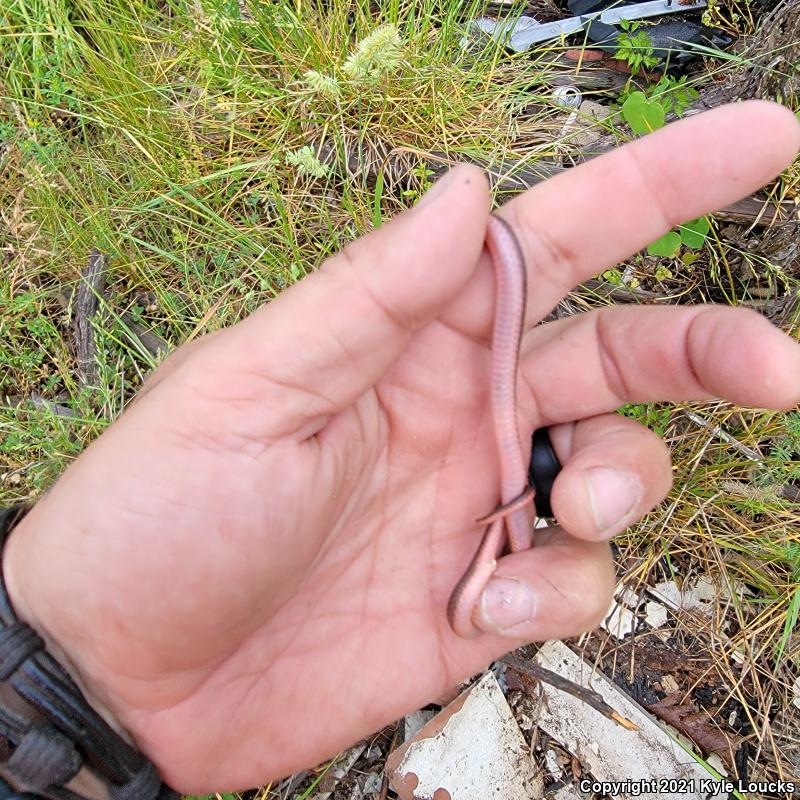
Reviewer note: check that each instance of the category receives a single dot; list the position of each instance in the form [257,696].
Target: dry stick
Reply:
[136,335]
[139,336]
[36,401]
[512,176]
[623,294]
[746,451]
[588,696]
[384,788]
[757,211]
[86,302]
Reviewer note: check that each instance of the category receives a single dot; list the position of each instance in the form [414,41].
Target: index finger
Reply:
[589,218]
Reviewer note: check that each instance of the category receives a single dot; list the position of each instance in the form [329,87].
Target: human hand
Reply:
[250,568]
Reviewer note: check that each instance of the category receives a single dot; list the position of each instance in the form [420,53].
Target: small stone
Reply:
[415,721]
[669,684]
[656,615]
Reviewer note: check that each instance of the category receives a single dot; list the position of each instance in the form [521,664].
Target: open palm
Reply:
[250,569]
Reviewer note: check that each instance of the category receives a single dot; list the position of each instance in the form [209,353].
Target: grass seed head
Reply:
[375,56]
[322,85]
[306,163]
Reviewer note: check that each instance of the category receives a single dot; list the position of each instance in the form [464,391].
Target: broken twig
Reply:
[746,451]
[36,401]
[86,303]
[587,696]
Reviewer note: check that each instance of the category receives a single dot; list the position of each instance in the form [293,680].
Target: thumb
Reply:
[560,588]
[330,337]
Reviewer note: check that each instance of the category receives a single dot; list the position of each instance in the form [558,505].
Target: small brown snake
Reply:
[510,524]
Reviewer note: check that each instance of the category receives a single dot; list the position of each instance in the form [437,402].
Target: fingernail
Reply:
[506,603]
[437,190]
[613,494]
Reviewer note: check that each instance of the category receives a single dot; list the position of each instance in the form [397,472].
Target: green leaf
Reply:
[643,115]
[226,796]
[668,245]
[663,274]
[635,99]
[689,258]
[694,233]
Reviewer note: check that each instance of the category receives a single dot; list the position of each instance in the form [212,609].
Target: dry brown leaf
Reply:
[696,724]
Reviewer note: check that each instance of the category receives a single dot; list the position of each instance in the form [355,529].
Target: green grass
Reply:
[170,135]
[161,135]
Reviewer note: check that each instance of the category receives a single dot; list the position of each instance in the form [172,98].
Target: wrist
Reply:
[31,606]
[58,733]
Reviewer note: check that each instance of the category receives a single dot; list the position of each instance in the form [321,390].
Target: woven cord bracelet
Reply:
[40,755]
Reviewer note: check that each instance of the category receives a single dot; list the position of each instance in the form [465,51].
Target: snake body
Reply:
[509,526]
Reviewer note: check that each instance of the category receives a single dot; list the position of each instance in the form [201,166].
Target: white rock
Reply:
[552,764]
[619,621]
[610,751]
[473,750]
[656,615]
[702,594]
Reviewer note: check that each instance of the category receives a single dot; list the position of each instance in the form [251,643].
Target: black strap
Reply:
[43,757]
[18,642]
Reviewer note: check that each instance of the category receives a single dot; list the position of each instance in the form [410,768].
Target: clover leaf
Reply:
[643,115]
[668,245]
